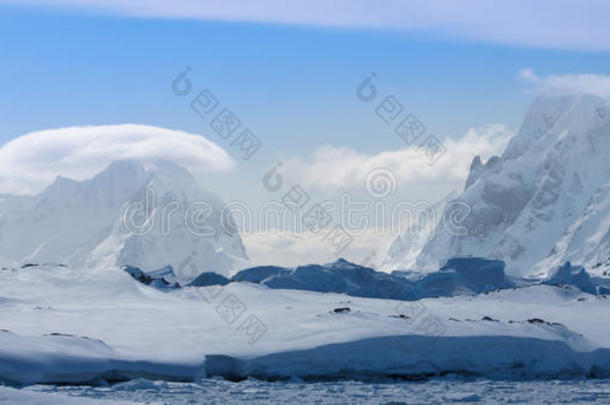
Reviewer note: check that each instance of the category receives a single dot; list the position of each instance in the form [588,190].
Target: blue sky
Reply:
[467,70]
[293,85]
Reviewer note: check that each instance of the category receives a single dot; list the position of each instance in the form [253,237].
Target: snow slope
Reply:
[543,202]
[127,214]
[63,325]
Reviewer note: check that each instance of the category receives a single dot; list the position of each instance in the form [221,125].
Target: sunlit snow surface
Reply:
[63,325]
[435,391]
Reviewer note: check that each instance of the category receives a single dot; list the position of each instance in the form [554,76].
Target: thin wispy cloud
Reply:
[561,24]
[30,162]
[579,83]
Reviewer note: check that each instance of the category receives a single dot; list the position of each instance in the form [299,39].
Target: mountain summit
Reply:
[126,215]
[545,201]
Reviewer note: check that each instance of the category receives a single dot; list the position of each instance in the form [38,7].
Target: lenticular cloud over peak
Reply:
[32,161]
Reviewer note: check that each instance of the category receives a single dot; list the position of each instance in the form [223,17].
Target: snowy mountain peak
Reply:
[550,115]
[533,199]
[477,168]
[171,172]
[61,185]
[128,214]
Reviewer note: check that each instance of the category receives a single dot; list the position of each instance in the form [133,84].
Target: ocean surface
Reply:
[434,391]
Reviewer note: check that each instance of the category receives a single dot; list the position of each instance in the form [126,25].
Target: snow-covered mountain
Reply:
[126,215]
[545,201]
[459,276]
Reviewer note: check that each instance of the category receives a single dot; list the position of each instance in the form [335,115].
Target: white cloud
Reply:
[32,161]
[332,168]
[289,249]
[528,75]
[585,83]
[560,24]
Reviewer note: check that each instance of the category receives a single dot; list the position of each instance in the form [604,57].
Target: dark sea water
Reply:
[435,391]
